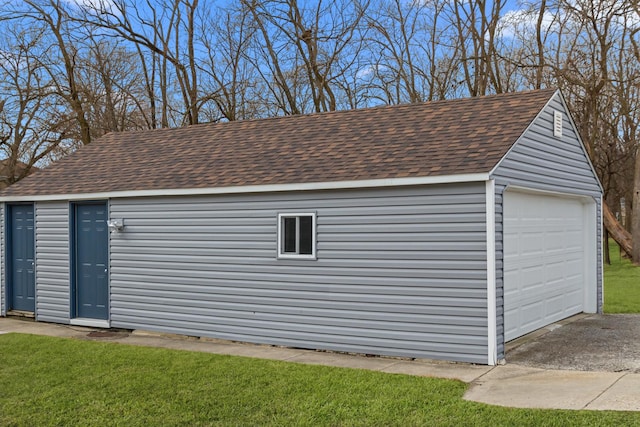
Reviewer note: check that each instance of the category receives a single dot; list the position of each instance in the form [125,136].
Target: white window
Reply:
[297,235]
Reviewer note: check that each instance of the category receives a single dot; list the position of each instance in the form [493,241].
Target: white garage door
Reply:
[544,260]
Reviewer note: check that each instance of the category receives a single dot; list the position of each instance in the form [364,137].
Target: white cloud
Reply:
[368,71]
[95,5]
[523,22]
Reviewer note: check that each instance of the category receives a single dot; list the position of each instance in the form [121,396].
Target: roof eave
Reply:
[312,186]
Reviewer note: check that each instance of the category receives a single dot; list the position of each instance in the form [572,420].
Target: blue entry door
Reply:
[22,284]
[91,261]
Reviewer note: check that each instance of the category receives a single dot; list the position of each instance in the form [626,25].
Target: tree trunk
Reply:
[607,254]
[617,232]
[635,214]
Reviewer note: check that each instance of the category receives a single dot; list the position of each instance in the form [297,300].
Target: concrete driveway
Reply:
[595,342]
[584,362]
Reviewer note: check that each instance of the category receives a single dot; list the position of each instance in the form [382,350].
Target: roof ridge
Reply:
[335,112]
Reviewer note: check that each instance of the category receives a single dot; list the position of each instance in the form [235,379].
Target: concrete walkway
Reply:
[507,385]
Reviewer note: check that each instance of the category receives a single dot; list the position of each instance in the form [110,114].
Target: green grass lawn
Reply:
[621,284]
[55,381]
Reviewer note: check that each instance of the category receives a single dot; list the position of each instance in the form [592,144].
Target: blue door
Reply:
[91,261]
[20,257]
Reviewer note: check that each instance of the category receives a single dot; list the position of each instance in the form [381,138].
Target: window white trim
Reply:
[289,255]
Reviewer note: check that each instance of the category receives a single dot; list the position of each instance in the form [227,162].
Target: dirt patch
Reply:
[608,342]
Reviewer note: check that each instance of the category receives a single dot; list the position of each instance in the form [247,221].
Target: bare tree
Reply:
[299,48]
[229,80]
[112,87]
[476,23]
[599,85]
[166,29]
[397,34]
[53,15]
[32,127]
[111,65]
[632,112]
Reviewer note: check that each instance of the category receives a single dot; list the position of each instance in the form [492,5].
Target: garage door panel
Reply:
[574,267]
[514,288]
[573,238]
[572,300]
[532,313]
[531,283]
[544,261]
[554,274]
[531,243]
[530,298]
[510,323]
[554,243]
[554,306]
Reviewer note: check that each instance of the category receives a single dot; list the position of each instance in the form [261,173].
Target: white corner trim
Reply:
[600,304]
[311,186]
[92,323]
[492,337]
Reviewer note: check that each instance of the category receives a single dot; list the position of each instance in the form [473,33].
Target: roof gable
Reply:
[465,136]
[557,163]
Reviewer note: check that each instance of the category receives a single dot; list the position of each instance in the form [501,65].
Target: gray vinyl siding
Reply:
[543,162]
[400,272]
[52,261]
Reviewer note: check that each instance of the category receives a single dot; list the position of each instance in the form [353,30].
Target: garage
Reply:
[384,231]
[548,264]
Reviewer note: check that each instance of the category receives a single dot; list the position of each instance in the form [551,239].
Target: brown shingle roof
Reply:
[18,169]
[415,140]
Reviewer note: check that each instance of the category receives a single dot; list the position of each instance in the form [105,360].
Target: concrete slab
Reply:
[174,344]
[454,371]
[524,387]
[262,352]
[28,326]
[624,395]
[595,342]
[343,360]
[539,333]
[207,346]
